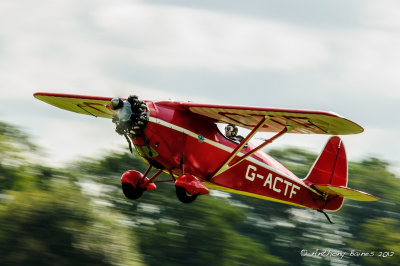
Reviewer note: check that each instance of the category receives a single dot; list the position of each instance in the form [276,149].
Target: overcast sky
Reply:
[340,56]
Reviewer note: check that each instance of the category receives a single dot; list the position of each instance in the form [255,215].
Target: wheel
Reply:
[185,196]
[130,192]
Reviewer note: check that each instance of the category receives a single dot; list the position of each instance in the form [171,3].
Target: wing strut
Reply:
[231,161]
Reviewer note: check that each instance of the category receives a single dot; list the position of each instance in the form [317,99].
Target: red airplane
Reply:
[183,140]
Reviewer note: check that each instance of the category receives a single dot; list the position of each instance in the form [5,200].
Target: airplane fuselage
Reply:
[175,141]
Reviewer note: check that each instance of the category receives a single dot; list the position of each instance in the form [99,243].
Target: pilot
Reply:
[231,132]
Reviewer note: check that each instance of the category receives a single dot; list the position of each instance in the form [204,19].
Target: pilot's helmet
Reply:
[116,103]
[232,128]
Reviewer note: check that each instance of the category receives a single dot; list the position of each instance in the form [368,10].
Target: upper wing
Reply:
[88,105]
[300,121]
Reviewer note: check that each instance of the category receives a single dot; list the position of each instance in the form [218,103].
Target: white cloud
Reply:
[182,37]
[65,46]
[384,13]
[369,61]
[365,60]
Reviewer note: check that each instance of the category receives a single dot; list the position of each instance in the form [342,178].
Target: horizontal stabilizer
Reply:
[346,192]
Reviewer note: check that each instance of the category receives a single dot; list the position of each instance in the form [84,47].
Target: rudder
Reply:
[330,168]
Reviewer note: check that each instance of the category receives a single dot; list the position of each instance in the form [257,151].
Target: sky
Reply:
[340,56]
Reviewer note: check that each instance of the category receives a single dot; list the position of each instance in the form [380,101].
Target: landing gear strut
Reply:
[187,186]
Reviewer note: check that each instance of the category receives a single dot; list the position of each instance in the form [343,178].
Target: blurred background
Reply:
[60,197]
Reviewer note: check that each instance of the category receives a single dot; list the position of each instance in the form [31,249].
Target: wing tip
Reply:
[66,95]
[88,105]
[37,94]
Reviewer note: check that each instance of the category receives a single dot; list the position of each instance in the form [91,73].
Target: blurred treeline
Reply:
[78,215]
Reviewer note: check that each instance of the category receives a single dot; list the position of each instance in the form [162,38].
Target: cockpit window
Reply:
[230,132]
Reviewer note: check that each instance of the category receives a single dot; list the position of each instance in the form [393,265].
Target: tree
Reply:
[61,227]
[46,220]
[174,233]
[378,242]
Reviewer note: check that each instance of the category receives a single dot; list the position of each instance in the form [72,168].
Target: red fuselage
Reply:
[180,140]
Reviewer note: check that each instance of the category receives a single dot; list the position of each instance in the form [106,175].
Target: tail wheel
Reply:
[131,192]
[185,196]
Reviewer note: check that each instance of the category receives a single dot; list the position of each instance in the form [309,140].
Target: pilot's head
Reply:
[231,131]
[116,103]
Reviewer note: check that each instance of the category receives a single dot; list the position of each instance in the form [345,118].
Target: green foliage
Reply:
[112,163]
[78,215]
[46,220]
[360,224]
[59,226]
[13,143]
[177,233]
[12,135]
[297,160]
[380,237]
[202,231]
[373,176]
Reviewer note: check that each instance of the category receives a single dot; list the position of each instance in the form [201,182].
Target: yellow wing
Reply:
[300,121]
[87,105]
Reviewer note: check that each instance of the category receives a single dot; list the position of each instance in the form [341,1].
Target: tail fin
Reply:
[330,168]
[329,176]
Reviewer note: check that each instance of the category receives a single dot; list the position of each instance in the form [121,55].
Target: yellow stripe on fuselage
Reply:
[221,188]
